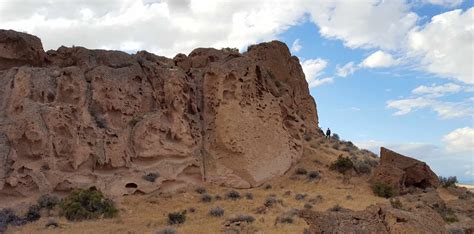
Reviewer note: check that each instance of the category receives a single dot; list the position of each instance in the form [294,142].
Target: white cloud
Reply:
[445,3]
[366,23]
[445,45]
[379,59]
[346,70]
[460,141]
[296,46]
[445,110]
[163,27]
[313,69]
[437,90]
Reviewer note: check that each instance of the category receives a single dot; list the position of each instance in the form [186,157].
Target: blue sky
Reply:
[356,108]
[383,73]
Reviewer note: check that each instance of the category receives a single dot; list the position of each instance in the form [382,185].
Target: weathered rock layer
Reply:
[79,118]
[402,172]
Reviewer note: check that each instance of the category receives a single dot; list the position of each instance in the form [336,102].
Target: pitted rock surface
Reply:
[81,118]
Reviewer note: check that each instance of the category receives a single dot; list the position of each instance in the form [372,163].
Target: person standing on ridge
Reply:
[328,133]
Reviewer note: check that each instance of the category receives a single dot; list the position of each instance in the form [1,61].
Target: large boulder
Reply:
[402,172]
[375,219]
[18,49]
[106,118]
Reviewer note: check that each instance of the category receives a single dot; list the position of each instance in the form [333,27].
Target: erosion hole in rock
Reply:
[131,185]
[422,184]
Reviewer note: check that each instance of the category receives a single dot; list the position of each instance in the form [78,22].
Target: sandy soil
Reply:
[148,213]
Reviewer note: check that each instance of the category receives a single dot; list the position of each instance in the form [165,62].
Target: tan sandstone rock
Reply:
[80,118]
[375,219]
[18,49]
[402,172]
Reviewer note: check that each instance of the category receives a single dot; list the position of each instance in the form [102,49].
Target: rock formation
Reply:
[402,172]
[80,118]
[375,219]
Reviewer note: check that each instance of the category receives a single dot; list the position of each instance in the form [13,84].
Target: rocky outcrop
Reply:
[79,118]
[18,49]
[402,172]
[375,219]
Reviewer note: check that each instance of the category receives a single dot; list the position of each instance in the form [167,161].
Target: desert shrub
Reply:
[313,175]
[336,208]
[362,167]
[177,217]
[249,196]
[6,217]
[308,206]
[270,201]
[242,218]
[206,198]
[396,203]
[268,186]
[446,213]
[448,181]
[82,204]
[466,195]
[192,210]
[230,50]
[166,230]
[301,171]
[218,197]
[216,212]
[151,177]
[335,137]
[300,196]
[233,195]
[33,213]
[382,189]
[284,219]
[48,201]
[200,190]
[342,165]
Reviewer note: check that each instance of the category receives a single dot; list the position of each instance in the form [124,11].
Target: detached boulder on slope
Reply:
[402,172]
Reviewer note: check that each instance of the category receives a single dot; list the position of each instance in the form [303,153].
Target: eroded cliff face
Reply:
[81,118]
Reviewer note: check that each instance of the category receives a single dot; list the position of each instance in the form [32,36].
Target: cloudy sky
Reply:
[393,73]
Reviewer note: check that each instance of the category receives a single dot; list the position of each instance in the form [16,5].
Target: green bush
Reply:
[448,181]
[82,204]
[342,165]
[383,189]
